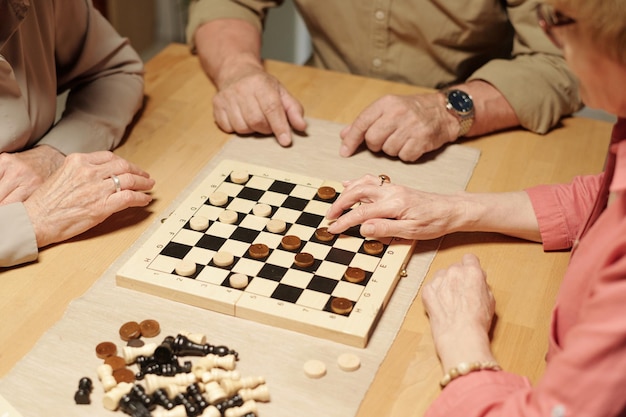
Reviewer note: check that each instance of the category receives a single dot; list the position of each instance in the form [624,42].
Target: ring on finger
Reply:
[384,179]
[117,183]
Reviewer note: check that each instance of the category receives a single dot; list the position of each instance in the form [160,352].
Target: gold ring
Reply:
[384,178]
[117,183]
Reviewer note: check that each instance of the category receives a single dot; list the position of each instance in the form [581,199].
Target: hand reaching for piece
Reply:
[82,194]
[393,210]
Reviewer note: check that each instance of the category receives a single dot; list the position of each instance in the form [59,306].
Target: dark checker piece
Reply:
[259,251]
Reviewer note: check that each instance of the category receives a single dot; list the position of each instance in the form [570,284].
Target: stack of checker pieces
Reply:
[250,241]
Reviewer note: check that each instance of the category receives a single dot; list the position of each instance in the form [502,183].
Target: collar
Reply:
[12,12]
[618,147]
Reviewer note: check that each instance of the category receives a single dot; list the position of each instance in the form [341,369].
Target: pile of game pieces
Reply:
[147,379]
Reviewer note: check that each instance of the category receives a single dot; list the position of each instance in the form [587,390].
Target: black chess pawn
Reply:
[234,401]
[139,392]
[161,398]
[191,408]
[195,393]
[223,351]
[133,406]
[182,346]
[84,390]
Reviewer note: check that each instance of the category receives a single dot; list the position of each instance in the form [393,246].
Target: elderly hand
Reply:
[82,194]
[253,101]
[402,126]
[22,173]
[460,307]
[394,210]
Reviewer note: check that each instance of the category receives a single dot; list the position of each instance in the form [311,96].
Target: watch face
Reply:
[460,101]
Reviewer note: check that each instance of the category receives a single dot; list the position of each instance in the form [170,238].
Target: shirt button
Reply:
[377,62]
[379,15]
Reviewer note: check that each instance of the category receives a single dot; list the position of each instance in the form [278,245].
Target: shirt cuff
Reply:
[552,224]
[18,243]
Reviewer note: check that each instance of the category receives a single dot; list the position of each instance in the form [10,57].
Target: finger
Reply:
[221,119]
[135,182]
[378,228]
[355,134]
[361,213]
[351,195]
[378,135]
[117,202]
[276,117]
[120,166]
[470,259]
[295,112]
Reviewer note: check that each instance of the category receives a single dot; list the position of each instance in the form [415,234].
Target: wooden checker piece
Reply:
[115,362]
[341,305]
[291,242]
[323,234]
[232,271]
[106,349]
[130,330]
[354,274]
[276,226]
[259,250]
[303,260]
[373,247]
[326,192]
[149,328]
[124,375]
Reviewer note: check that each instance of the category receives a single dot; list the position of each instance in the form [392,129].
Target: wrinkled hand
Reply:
[255,102]
[460,307]
[392,210]
[23,172]
[402,126]
[81,194]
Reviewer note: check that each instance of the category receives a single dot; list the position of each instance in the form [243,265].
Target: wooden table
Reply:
[176,136]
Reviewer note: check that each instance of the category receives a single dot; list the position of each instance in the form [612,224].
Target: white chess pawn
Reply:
[247,407]
[232,386]
[131,353]
[260,393]
[105,374]
[111,400]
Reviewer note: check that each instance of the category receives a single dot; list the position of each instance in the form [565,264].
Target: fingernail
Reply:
[284,139]
[344,151]
[367,229]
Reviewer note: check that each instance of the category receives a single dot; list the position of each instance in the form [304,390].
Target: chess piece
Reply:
[84,390]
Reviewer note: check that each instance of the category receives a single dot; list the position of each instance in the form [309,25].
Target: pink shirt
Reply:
[586,361]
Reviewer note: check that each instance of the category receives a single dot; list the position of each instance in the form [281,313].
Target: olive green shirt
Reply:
[430,43]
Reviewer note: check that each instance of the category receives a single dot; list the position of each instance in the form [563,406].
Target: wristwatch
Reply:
[460,104]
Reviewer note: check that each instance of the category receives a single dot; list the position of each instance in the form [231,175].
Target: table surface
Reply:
[175,136]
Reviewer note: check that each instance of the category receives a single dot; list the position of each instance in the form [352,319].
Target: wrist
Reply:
[236,68]
[465,368]
[466,344]
[460,104]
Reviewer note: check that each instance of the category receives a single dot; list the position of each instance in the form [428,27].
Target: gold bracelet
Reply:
[465,368]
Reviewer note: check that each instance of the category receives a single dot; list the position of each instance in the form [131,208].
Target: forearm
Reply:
[492,112]
[227,47]
[509,213]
